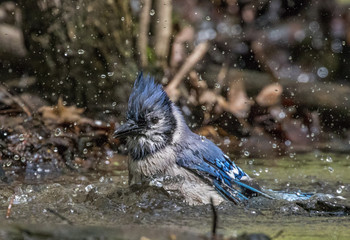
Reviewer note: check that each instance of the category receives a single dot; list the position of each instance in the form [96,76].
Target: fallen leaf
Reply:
[270,95]
[238,102]
[61,113]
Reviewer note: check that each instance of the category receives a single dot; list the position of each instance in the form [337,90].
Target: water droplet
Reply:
[330,169]
[156,182]
[217,85]
[55,149]
[227,141]
[152,12]
[274,145]
[89,187]
[339,190]
[8,163]
[322,72]
[246,153]
[23,159]
[85,151]
[314,26]
[336,46]
[123,18]
[208,18]
[282,115]
[114,104]
[58,132]
[16,157]
[81,51]
[29,189]
[303,78]
[98,122]
[329,159]
[110,74]
[103,76]
[21,137]
[204,108]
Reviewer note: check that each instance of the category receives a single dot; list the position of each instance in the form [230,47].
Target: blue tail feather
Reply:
[251,188]
[236,197]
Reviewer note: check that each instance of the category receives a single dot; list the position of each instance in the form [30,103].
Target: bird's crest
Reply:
[147,96]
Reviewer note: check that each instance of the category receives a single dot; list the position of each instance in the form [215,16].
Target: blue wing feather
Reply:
[211,164]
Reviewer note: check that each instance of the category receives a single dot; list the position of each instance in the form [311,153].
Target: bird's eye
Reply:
[155,120]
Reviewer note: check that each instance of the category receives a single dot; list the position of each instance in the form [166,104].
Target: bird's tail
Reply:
[237,192]
[246,187]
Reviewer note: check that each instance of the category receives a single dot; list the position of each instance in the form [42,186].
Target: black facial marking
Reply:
[154,120]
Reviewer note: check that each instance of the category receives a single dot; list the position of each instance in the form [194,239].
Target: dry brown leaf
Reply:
[238,102]
[144,238]
[61,113]
[172,236]
[270,95]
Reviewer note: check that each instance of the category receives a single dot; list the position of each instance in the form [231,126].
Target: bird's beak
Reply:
[126,129]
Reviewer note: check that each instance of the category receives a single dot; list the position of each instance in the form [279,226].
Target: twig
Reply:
[8,213]
[197,54]
[199,86]
[215,219]
[178,47]
[144,29]
[163,31]
[278,234]
[17,100]
[221,77]
[59,216]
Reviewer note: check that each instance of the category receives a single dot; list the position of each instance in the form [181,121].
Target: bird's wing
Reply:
[211,164]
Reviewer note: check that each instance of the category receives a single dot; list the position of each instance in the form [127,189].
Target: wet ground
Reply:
[72,203]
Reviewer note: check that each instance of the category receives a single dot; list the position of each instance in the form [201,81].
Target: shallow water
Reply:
[105,200]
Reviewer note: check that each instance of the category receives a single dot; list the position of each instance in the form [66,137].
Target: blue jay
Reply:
[160,144]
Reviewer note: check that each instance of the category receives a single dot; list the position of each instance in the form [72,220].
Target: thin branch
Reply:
[221,77]
[8,213]
[142,41]
[59,216]
[215,219]
[197,54]
[17,100]
[163,31]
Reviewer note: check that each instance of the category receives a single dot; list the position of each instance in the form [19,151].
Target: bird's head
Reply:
[150,121]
